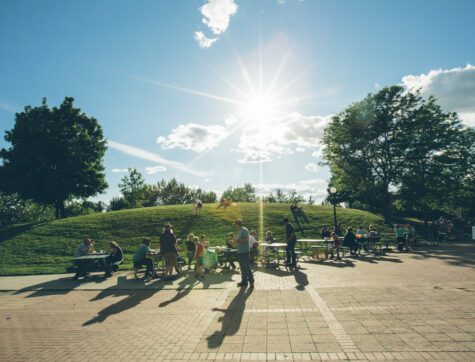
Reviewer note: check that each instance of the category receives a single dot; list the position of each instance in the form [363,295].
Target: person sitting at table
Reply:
[336,243]
[141,257]
[360,232]
[199,257]
[190,249]
[324,233]
[350,241]
[85,248]
[372,231]
[168,250]
[116,255]
[228,257]
[253,247]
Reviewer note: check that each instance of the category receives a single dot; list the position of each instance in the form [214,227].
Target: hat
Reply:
[168,225]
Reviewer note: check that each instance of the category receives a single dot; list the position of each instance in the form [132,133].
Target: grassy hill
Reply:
[48,247]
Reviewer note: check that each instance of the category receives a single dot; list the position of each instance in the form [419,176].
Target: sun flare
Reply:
[260,109]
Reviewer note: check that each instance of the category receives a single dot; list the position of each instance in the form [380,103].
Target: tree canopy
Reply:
[56,154]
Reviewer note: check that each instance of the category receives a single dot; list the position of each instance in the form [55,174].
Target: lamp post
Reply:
[332,191]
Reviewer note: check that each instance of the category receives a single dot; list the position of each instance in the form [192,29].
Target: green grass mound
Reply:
[48,247]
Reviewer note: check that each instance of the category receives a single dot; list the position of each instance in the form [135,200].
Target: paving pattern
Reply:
[417,306]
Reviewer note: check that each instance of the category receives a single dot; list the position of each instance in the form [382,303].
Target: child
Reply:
[199,251]
[190,249]
[228,256]
[335,245]
[204,241]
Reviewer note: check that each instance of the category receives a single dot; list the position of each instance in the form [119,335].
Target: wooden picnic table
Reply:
[93,256]
[306,244]
[277,247]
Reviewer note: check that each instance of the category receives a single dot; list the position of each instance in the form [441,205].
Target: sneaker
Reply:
[242,285]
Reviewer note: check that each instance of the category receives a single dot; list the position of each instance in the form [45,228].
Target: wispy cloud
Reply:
[314,187]
[120,170]
[311,167]
[154,169]
[150,156]
[216,16]
[9,106]
[203,40]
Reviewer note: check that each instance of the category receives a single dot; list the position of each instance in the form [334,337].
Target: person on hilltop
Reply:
[168,250]
[243,255]
[198,206]
[291,240]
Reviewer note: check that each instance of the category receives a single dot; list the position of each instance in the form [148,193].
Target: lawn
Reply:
[48,247]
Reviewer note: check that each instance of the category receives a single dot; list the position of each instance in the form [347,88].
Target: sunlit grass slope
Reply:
[48,247]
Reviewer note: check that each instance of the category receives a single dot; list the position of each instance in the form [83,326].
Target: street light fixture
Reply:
[332,191]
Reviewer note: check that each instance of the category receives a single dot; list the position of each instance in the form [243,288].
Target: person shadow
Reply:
[231,320]
[300,278]
[59,286]
[133,297]
[185,286]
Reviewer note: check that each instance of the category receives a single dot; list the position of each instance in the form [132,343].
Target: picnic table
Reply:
[312,244]
[276,248]
[93,262]
[93,256]
[225,255]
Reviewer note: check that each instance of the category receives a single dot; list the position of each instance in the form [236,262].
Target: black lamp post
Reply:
[332,191]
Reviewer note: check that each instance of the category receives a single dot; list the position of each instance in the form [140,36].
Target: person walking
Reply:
[243,255]
[291,240]
[168,250]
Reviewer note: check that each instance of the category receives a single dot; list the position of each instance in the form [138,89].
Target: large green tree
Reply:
[56,154]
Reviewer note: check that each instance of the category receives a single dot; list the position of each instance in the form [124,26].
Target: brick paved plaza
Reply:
[417,306]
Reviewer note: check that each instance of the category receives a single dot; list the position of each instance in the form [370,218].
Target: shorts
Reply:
[170,259]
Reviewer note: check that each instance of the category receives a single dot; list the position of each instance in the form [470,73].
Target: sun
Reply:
[260,109]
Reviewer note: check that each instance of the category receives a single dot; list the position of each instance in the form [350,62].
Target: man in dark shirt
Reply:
[168,250]
[291,240]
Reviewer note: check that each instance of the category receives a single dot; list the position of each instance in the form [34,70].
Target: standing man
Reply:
[243,255]
[291,240]
[168,250]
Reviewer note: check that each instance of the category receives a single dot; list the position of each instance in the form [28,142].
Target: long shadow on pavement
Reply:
[231,320]
[185,286]
[459,254]
[300,278]
[133,297]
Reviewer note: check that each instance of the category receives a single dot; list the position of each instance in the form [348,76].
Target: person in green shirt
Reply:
[400,236]
[141,258]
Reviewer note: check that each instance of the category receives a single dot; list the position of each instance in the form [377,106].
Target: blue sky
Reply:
[207,113]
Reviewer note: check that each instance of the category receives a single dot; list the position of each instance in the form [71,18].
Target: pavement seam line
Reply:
[343,338]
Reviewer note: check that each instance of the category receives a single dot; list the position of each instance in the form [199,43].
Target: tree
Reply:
[365,145]
[174,193]
[56,154]
[247,193]
[206,197]
[14,210]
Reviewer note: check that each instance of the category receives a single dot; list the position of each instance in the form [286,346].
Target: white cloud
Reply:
[154,169]
[287,135]
[203,41]
[317,188]
[217,13]
[195,137]
[454,89]
[311,167]
[149,156]
[120,170]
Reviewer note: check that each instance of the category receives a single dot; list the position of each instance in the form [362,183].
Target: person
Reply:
[372,230]
[335,246]
[199,252]
[409,233]
[141,257]
[116,255]
[190,249]
[350,241]
[204,241]
[243,255]
[253,245]
[400,238]
[222,203]
[324,232]
[168,250]
[198,206]
[228,257]
[291,240]
[360,236]
[84,248]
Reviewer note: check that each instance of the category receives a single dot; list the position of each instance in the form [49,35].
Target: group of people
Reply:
[87,247]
